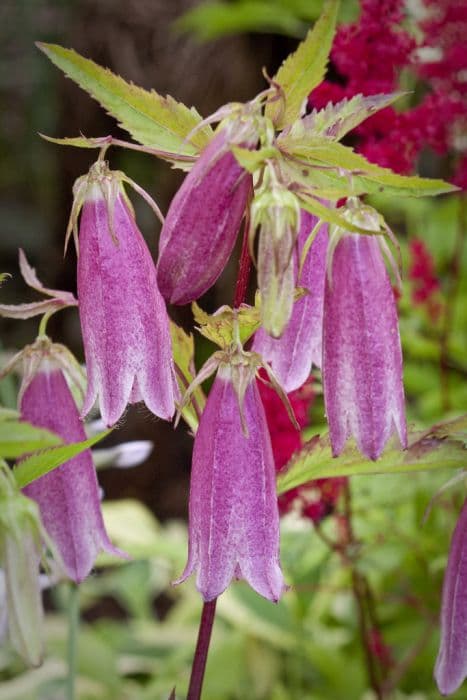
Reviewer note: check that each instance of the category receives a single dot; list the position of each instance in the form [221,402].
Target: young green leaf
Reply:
[18,437]
[43,462]
[436,448]
[304,69]
[336,120]
[153,120]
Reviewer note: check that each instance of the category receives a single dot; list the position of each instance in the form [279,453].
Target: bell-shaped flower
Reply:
[68,496]
[22,539]
[202,223]
[451,664]
[123,316]
[275,212]
[291,356]
[362,357]
[234,520]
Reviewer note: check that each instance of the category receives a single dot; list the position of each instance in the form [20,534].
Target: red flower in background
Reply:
[369,56]
[316,499]
[425,284]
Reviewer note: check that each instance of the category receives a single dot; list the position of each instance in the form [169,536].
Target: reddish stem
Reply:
[244,267]
[201,653]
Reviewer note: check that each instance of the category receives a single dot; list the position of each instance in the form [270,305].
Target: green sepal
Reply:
[304,69]
[153,120]
[220,327]
[440,447]
[43,462]
[253,160]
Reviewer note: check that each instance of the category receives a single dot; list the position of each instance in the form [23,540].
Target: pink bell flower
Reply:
[68,496]
[123,316]
[362,357]
[234,520]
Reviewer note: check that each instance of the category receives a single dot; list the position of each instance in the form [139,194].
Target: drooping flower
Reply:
[68,496]
[202,223]
[123,316]
[234,519]
[451,664]
[362,357]
[292,355]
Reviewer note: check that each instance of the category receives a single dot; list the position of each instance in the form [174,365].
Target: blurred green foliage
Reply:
[210,20]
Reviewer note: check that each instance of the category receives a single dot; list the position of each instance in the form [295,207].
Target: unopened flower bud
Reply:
[202,223]
[292,355]
[21,542]
[276,212]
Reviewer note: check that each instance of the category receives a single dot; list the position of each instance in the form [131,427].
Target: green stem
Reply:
[43,323]
[73,624]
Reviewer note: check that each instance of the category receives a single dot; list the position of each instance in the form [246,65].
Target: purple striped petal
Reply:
[201,227]
[123,316]
[451,664]
[292,355]
[68,497]
[362,357]
[234,520]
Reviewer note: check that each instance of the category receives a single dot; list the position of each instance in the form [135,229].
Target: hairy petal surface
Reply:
[68,496]
[362,357]
[201,226]
[451,664]
[234,520]
[123,316]
[292,355]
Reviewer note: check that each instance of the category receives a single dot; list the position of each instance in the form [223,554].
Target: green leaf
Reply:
[336,120]
[18,437]
[219,327]
[43,462]
[153,120]
[319,151]
[442,446]
[183,349]
[4,276]
[304,69]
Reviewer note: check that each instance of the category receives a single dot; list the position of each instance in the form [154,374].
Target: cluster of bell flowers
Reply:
[346,324]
